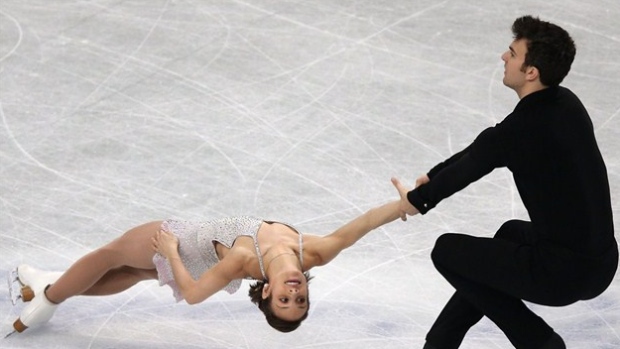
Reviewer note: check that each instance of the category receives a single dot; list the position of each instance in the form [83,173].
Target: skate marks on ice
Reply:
[116,113]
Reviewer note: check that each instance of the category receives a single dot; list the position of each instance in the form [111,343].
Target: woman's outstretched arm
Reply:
[326,248]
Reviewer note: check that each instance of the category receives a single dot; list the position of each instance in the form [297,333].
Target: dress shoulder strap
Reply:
[260,256]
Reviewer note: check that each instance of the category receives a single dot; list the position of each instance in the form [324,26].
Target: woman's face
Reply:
[289,292]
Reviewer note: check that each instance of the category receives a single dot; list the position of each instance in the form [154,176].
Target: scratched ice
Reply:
[114,113]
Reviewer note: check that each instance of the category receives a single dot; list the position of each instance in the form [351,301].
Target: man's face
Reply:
[514,75]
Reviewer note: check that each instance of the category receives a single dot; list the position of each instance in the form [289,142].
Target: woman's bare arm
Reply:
[210,282]
[324,249]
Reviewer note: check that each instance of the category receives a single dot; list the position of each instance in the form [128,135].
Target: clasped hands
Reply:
[405,207]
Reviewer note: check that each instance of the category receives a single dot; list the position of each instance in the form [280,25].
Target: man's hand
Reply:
[423,179]
[406,208]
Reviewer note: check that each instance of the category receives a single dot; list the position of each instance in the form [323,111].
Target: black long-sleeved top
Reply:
[548,144]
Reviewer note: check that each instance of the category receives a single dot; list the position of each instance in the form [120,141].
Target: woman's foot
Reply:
[39,311]
[34,281]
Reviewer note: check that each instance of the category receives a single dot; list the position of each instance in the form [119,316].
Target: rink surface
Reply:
[115,113]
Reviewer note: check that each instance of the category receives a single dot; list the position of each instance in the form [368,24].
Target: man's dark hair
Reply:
[549,48]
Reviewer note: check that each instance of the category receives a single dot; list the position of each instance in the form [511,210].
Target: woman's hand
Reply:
[423,179]
[166,243]
[406,208]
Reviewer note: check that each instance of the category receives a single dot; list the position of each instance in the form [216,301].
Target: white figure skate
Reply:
[14,286]
[26,282]
[40,310]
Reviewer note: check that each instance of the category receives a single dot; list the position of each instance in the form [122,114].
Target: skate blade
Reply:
[8,334]
[15,286]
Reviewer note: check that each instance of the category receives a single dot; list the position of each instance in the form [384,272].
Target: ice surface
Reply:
[114,113]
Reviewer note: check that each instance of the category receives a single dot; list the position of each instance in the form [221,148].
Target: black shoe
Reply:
[555,342]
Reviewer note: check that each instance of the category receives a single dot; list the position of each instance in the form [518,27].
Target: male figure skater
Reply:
[567,252]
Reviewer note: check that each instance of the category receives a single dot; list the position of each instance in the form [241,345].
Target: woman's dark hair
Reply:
[256,295]
[549,48]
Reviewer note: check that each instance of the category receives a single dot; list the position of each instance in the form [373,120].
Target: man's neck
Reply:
[529,89]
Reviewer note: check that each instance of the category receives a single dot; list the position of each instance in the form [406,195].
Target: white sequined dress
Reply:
[197,247]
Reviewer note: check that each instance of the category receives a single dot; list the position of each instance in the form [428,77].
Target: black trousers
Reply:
[492,277]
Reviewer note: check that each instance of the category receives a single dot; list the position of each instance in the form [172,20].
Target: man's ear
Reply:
[532,73]
[266,290]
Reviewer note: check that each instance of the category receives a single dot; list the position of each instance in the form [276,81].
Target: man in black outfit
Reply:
[568,251]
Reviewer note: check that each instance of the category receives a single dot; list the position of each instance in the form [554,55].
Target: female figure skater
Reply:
[199,259]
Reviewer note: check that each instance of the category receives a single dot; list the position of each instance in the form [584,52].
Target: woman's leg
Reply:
[119,280]
[109,269]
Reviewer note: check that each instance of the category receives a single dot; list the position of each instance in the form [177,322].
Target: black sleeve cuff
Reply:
[416,199]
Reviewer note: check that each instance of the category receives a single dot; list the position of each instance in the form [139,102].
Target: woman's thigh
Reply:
[134,248]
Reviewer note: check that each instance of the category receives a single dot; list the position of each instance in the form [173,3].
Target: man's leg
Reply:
[456,318]
[491,277]
[523,328]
